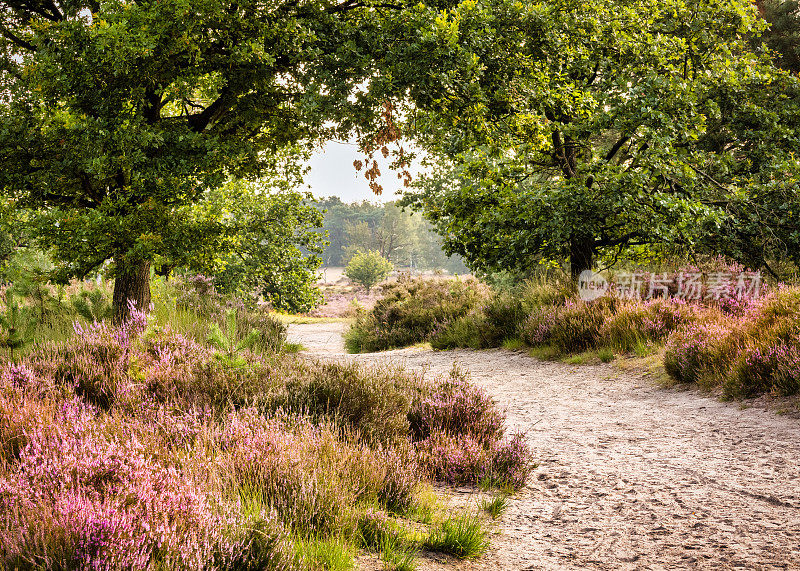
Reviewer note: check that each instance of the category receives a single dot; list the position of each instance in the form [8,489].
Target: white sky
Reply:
[333,174]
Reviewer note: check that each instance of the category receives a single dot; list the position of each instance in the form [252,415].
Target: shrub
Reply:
[697,352]
[462,459]
[413,311]
[375,528]
[636,322]
[500,317]
[750,353]
[373,402]
[454,407]
[471,330]
[577,325]
[368,268]
[197,295]
[775,368]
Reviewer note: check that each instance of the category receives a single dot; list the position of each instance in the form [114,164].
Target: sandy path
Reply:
[630,476]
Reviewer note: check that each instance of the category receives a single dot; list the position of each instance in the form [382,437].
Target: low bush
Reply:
[500,317]
[748,353]
[453,406]
[413,311]
[462,459]
[636,322]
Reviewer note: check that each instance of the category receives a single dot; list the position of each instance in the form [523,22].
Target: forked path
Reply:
[630,476]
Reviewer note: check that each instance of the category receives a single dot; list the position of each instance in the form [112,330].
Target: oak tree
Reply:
[115,115]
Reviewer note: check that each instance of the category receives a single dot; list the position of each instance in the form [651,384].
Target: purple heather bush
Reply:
[462,459]
[774,369]
[458,435]
[754,351]
[698,351]
[637,321]
[455,407]
[134,448]
[572,327]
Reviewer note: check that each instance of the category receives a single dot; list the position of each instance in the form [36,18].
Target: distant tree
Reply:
[783,34]
[359,235]
[396,234]
[341,217]
[368,268]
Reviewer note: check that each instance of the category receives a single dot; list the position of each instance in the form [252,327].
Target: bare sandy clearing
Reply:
[631,476]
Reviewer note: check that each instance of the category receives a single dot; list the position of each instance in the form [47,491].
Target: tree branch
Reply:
[8,34]
[617,146]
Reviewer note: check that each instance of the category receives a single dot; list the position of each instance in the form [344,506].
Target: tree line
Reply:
[401,236]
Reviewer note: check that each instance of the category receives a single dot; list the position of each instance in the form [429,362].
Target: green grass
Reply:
[513,344]
[396,556]
[293,348]
[544,353]
[495,507]
[605,354]
[425,505]
[333,554]
[642,348]
[579,359]
[462,536]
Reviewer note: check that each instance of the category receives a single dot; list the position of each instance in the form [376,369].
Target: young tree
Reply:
[583,129]
[116,115]
[368,268]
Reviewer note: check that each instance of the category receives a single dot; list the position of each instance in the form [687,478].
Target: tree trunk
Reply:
[581,255]
[132,283]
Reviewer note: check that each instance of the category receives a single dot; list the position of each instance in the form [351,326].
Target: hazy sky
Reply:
[332,174]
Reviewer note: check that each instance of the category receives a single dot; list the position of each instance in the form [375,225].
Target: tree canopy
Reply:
[115,115]
[582,129]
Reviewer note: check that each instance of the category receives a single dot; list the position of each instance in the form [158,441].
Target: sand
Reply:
[630,475]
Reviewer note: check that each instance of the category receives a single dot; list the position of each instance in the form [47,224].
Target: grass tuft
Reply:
[495,507]
[462,536]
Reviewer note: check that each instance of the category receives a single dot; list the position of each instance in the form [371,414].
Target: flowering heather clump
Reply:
[82,495]
[20,376]
[511,463]
[693,352]
[536,329]
[375,528]
[577,327]
[643,321]
[94,363]
[311,478]
[752,352]
[461,459]
[455,459]
[775,368]
[458,435]
[455,407]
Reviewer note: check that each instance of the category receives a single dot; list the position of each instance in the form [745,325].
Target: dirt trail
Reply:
[630,476]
